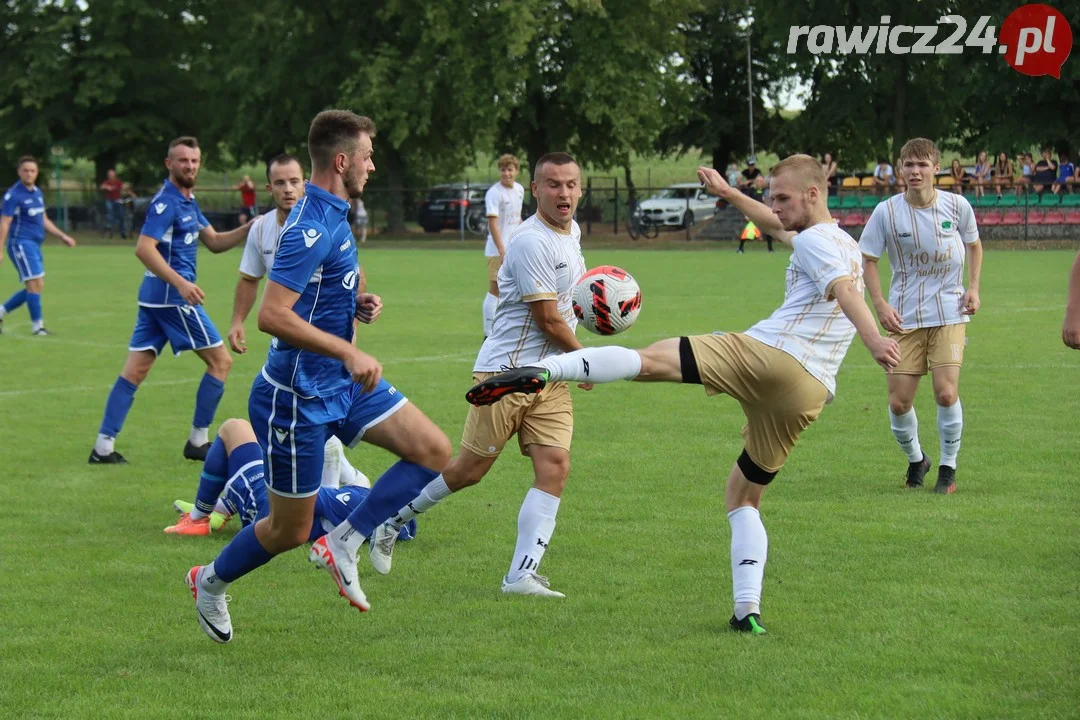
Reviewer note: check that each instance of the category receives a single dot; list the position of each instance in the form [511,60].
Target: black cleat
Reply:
[42,332]
[528,380]
[113,458]
[749,624]
[196,452]
[946,480]
[916,471]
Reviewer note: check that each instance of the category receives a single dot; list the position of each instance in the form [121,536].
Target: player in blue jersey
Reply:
[316,382]
[23,225]
[232,483]
[170,304]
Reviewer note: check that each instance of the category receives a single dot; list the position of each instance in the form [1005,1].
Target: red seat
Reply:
[852,220]
[1035,217]
[1054,217]
[990,218]
[1013,217]
[835,216]
[1073,217]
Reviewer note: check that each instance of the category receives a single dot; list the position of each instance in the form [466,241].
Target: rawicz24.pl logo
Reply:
[1035,39]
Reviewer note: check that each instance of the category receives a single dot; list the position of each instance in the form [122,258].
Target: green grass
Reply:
[879,603]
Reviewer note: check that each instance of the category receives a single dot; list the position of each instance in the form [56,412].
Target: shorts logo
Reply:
[491,448]
[343,498]
[160,207]
[280,435]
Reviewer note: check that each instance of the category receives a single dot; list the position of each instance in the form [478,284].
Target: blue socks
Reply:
[244,554]
[15,301]
[33,304]
[212,480]
[394,489]
[120,399]
[206,400]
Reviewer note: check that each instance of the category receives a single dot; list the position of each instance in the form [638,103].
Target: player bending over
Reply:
[782,370]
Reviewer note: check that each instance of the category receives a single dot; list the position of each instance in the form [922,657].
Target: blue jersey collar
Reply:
[171,189]
[327,197]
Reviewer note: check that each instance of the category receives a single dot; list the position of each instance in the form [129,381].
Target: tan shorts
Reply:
[929,348]
[546,418]
[779,397]
[494,263]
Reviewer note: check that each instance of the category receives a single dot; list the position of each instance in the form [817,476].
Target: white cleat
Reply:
[382,547]
[342,568]
[530,584]
[213,610]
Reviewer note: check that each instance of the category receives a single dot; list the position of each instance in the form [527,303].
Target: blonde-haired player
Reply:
[927,235]
[502,204]
[535,320]
[782,370]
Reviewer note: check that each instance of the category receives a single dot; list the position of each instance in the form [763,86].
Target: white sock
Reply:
[950,425]
[490,303]
[36,325]
[104,444]
[536,523]
[199,436]
[905,428]
[749,549]
[209,581]
[221,507]
[3,311]
[345,536]
[197,514]
[333,456]
[434,492]
[594,365]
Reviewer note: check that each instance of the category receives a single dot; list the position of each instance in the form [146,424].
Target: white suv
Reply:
[679,205]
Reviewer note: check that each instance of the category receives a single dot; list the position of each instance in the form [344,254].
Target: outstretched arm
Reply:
[217,242]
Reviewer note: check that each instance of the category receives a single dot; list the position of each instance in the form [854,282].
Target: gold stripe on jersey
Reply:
[899,255]
[521,340]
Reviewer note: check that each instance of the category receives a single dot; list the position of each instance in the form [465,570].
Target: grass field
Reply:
[880,603]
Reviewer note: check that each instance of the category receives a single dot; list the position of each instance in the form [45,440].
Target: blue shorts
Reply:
[332,507]
[184,327]
[292,430]
[26,257]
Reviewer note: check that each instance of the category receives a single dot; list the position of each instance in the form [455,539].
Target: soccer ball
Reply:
[607,300]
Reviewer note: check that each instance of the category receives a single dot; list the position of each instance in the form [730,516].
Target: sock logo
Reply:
[748,561]
[413,508]
[585,363]
[541,543]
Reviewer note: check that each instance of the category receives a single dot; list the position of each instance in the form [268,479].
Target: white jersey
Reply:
[541,264]
[261,245]
[504,203]
[810,326]
[927,248]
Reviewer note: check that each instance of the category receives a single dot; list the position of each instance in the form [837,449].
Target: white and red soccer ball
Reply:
[607,300]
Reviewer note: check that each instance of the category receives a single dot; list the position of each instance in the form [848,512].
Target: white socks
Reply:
[593,365]
[429,497]
[3,312]
[104,444]
[749,548]
[199,436]
[905,428]
[210,582]
[36,325]
[950,423]
[490,303]
[536,523]
[346,536]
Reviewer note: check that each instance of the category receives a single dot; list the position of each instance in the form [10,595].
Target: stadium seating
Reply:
[989,218]
[1071,200]
[1072,217]
[850,183]
[868,181]
[834,202]
[850,202]
[869,202]
[1008,201]
[836,216]
[1035,216]
[1013,217]
[988,200]
[970,197]
[853,220]
[1054,217]
[1049,200]
[944,182]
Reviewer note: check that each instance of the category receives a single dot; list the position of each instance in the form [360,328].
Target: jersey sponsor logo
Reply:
[345,245]
[561,265]
[189,238]
[311,236]
[905,234]
[349,281]
[35,211]
[160,207]
[268,252]
[185,218]
[27,201]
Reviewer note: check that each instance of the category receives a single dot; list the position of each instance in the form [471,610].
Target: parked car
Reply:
[679,205]
[447,204]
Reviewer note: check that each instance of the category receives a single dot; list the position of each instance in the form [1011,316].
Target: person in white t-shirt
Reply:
[285,182]
[782,370]
[535,320]
[927,235]
[502,205]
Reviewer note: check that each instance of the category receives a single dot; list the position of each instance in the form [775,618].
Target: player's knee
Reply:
[945,397]
[235,432]
[283,538]
[434,450]
[221,363]
[899,406]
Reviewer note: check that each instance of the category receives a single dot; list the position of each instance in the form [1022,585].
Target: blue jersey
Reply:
[26,208]
[316,258]
[174,221]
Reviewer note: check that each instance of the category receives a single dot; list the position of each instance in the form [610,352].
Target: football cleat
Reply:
[196,452]
[113,458]
[217,520]
[213,610]
[382,547]
[946,480]
[749,624]
[41,332]
[188,526]
[528,380]
[916,471]
[342,568]
[530,584]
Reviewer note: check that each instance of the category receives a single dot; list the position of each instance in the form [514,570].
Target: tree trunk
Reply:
[395,176]
[899,111]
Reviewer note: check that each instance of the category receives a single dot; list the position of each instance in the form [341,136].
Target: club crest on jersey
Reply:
[160,207]
[946,225]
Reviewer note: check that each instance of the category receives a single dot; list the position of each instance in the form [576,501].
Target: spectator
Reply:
[247,198]
[958,175]
[1044,172]
[901,184]
[114,208]
[1003,173]
[884,177]
[1066,172]
[982,174]
[1024,165]
[752,182]
[359,220]
[733,176]
[829,166]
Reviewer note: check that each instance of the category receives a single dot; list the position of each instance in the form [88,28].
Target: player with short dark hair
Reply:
[23,225]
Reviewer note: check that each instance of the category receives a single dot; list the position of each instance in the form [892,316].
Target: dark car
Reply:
[446,205]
